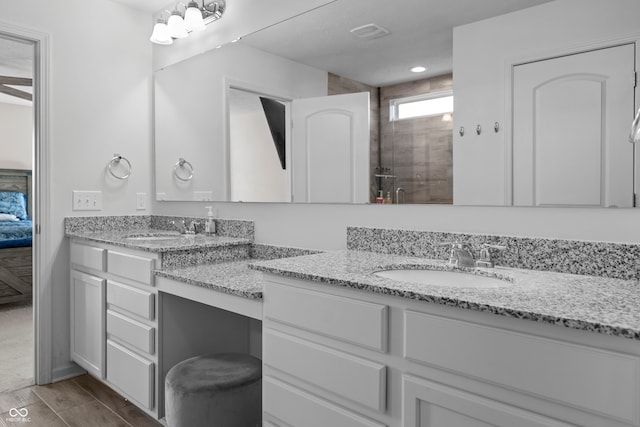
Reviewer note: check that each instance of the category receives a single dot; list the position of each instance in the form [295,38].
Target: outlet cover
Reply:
[141,201]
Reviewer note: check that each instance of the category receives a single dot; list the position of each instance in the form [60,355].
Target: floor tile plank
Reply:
[137,417]
[17,399]
[39,415]
[101,392]
[94,413]
[63,395]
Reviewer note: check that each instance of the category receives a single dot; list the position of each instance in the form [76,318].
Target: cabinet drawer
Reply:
[130,266]
[427,403]
[346,319]
[130,373]
[87,256]
[132,299]
[137,334]
[595,380]
[298,408]
[350,377]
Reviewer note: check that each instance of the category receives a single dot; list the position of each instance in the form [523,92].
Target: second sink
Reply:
[454,279]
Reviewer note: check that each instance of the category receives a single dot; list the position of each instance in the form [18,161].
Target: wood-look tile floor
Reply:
[78,402]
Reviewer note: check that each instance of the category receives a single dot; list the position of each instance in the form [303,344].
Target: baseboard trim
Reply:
[66,371]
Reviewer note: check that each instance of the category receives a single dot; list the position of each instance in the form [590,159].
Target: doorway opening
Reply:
[17,121]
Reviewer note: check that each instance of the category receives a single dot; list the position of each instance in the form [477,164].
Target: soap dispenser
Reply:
[210,224]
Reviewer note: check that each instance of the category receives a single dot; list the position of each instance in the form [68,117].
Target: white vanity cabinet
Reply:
[339,356]
[316,353]
[114,325]
[87,322]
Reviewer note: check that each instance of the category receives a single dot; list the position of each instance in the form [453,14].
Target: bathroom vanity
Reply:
[344,345]
[128,327]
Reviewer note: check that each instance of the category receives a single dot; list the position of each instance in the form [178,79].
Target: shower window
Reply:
[428,104]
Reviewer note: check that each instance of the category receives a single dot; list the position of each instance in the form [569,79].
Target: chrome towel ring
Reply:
[183,164]
[115,160]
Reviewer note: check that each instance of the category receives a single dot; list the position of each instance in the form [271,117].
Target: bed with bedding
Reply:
[15,221]
[15,236]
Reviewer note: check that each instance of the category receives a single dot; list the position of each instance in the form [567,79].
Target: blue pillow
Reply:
[14,203]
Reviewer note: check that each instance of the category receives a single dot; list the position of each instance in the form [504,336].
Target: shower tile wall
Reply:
[338,85]
[418,151]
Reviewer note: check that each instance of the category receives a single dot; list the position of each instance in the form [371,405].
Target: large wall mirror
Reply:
[520,103]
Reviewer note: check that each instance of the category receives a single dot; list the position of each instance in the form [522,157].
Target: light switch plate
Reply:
[87,200]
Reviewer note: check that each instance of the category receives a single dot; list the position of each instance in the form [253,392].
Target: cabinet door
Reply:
[429,404]
[87,322]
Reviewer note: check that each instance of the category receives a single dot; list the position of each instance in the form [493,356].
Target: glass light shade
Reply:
[160,34]
[193,18]
[177,30]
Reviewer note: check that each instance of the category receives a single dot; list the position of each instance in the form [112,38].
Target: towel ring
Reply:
[115,160]
[181,164]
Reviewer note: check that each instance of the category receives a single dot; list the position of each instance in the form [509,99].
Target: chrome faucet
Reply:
[485,255]
[460,255]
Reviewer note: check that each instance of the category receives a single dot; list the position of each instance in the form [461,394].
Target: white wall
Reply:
[323,226]
[482,55]
[16,136]
[100,104]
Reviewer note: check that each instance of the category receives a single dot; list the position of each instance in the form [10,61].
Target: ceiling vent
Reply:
[369,31]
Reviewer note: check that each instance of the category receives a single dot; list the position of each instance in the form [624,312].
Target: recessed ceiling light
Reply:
[419,69]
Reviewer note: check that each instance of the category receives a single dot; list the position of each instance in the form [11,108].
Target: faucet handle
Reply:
[194,226]
[485,255]
[180,225]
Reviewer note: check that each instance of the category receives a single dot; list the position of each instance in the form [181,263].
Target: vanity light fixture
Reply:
[418,69]
[195,18]
[160,34]
[175,24]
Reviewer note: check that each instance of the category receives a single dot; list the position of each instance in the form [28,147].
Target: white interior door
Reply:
[331,149]
[571,118]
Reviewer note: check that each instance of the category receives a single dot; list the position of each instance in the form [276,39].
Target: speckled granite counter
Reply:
[234,278]
[604,305]
[176,242]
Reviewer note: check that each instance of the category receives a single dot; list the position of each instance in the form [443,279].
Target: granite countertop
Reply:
[234,277]
[173,241]
[598,304]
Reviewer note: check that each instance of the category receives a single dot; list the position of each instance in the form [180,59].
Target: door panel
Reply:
[331,149]
[570,122]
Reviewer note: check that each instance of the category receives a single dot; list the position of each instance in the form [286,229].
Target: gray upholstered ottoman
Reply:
[215,390]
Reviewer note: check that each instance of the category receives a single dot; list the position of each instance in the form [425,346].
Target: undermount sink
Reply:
[153,236]
[452,279]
